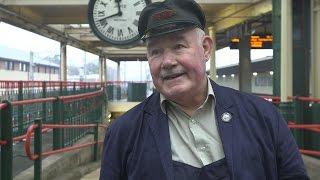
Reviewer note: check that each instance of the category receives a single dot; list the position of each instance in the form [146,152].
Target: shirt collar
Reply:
[210,93]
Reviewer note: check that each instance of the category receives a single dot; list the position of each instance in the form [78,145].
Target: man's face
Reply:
[177,63]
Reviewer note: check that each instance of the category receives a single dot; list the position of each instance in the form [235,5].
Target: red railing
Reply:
[6,84]
[309,127]
[301,98]
[30,133]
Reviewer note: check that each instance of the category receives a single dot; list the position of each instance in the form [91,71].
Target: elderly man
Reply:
[192,128]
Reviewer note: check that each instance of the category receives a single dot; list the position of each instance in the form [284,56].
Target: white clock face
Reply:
[117,20]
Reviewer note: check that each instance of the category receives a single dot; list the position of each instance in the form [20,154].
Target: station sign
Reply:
[256,42]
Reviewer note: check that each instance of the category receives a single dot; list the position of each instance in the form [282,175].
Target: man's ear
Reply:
[207,47]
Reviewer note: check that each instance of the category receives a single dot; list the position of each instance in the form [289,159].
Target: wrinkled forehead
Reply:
[175,36]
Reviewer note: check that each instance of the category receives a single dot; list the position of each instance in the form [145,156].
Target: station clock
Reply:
[116,21]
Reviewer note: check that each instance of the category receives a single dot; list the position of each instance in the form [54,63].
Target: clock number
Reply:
[103,22]
[137,3]
[101,13]
[110,29]
[104,4]
[130,30]
[120,33]
[136,22]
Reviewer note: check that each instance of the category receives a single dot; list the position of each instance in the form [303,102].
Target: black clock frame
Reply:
[123,44]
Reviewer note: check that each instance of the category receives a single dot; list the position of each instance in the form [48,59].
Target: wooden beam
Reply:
[241,15]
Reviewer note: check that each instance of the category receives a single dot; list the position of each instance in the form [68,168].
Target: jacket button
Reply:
[226,117]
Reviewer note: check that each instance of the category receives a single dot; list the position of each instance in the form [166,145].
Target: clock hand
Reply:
[119,13]
[119,7]
[112,15]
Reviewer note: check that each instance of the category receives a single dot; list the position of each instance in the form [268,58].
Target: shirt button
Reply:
[193,121]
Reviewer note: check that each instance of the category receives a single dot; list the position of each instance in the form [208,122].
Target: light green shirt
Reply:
[194,140]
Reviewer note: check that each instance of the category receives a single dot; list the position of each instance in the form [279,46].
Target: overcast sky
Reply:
[17,38]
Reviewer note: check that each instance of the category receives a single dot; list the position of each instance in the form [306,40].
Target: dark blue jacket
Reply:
[257,142]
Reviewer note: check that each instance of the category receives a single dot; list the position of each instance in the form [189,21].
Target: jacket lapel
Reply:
[224,107]
[158,124]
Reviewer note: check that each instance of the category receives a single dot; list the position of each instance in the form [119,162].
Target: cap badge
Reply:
[165,14]
[226,117]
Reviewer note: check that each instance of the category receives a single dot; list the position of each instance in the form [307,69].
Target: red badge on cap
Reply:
[165,14]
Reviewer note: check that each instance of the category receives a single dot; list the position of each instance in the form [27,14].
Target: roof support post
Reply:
[213,70]
[315,73]
[63,61]
[286,50]
[245,72]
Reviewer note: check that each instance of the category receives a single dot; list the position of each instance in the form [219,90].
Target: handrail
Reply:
[71,98]
[310,152]
[301,98]
[32,101]
[110,82]
[20,138]
[310,127]
[3,143]
[31,128]
[3,105]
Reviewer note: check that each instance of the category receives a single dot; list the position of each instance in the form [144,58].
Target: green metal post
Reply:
[38,149]
[315,137]
[61,89]
[74,88]
[44,104]
[95,147]
[20,108]
[301,47]
[276,33]
[299,114]
[57,135]
[301,59]
[6,135]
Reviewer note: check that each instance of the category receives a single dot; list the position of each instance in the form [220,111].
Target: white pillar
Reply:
[118,71]
[63,61]
[101,68]
[286,50]
[213,69]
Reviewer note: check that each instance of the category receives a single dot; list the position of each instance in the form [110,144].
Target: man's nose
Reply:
[169,59]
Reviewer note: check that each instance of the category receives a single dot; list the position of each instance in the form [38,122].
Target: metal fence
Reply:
[129,91]
[24,115]
[15,117]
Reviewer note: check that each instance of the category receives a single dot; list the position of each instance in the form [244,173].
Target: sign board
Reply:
[256,41]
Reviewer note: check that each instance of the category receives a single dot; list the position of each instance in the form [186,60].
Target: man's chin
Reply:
[174,92]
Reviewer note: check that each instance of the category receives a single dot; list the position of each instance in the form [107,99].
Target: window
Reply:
[22,67]
[9,65]
[263,81]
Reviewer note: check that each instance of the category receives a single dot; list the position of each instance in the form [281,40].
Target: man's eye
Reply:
[155,52]
[179,46]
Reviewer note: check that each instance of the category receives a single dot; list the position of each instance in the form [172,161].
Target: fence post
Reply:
[61,89]
[298,111]
[57,133]
[38,150]
[44,104]
[315,118]
[20,108]
[6,135]
[74,88]
[95,147]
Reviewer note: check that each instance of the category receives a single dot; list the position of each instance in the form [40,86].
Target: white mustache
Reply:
[167,73]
